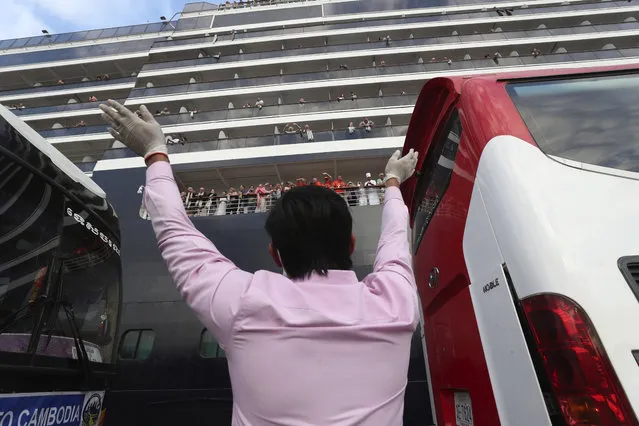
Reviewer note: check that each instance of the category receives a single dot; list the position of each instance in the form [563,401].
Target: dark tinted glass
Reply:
[136,344]
[209,348]
[30,221]
[436,173]
[267,16]
[128,344]
[591,120]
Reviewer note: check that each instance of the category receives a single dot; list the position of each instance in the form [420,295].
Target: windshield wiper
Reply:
[83,358]
[16,317]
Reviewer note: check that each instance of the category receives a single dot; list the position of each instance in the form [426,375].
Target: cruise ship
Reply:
[262,94]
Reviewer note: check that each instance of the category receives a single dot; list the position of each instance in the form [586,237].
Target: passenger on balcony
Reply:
[328,180]
[277,193]
[234,201]
[211,202]
[173,140]
[309,133]
[190,199]
[165,111]
[81,123]
[200,200]
[362,200]
[371,190]
[217,56]
[292,128]
[93,99]
[380,180]
[340,98]
[536,52]
[353,96]
[343,67]
[262,194]
[351,128]
[60,82]
[367,125]
[221,205]
[260,103]
[301,101]
[338,185]
[252,199]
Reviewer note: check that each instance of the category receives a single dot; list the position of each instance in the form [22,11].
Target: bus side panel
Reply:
[455,353]
[504,344]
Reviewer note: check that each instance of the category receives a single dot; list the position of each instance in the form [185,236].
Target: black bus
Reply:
[60,285]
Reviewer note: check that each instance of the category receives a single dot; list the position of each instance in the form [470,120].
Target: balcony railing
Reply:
[51,90]
[451,16]
[61,108]
[269,140]
[244,113]
[412,68]
[423,42]
[237,204]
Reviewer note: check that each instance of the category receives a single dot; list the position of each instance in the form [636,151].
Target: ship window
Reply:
[137,344]
[209,348]
[436,173]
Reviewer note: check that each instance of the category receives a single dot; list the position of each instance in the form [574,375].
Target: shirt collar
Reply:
[334,276]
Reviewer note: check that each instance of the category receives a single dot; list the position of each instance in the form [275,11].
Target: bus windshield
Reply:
[593,120]
[59,271]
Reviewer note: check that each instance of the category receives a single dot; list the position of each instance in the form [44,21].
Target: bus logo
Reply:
[91,410]
[491,285]
[93,229]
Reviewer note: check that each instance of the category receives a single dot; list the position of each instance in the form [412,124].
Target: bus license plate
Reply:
[463,409]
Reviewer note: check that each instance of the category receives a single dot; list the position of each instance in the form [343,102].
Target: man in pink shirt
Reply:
[311,346]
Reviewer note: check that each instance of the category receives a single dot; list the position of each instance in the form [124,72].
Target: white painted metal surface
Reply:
[561,229]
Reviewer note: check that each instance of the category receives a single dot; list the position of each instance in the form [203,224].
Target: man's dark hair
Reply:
[311,228]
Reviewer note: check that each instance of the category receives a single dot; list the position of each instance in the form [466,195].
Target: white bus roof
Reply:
[63,163]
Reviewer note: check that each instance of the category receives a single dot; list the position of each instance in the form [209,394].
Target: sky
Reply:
[24,18]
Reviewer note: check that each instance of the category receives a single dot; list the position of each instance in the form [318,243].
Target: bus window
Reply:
[30,221]
[137,344]
[88,285]
[435,176]
[592,120]
[209,348]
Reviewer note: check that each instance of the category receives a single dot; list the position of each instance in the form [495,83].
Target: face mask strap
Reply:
[283,270]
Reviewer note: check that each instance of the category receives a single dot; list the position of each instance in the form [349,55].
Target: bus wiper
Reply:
[83,358]
[16,317]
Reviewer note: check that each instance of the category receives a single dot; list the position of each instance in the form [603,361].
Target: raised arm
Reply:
[393,251]
[209,282]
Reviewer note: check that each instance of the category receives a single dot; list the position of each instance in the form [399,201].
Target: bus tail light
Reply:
[581,376]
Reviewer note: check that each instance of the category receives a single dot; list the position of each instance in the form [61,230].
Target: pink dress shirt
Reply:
[321,351]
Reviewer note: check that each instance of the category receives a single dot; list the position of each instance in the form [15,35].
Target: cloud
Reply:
[87,14]
[21,20]
[29,17]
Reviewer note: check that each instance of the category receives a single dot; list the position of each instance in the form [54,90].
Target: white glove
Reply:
[401,168]
[139,131]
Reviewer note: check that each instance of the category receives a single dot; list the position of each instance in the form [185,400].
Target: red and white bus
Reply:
[525,218]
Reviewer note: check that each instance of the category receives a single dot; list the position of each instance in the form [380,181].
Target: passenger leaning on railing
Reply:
[312,345]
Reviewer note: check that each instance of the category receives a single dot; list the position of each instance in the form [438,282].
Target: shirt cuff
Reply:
[393,192]
[158,169]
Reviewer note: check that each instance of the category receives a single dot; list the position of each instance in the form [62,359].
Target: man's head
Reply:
[368,175]
[311,231]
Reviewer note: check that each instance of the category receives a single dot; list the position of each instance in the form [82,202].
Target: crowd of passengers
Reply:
[257,199]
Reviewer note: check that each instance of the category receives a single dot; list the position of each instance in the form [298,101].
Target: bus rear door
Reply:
[439,197]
